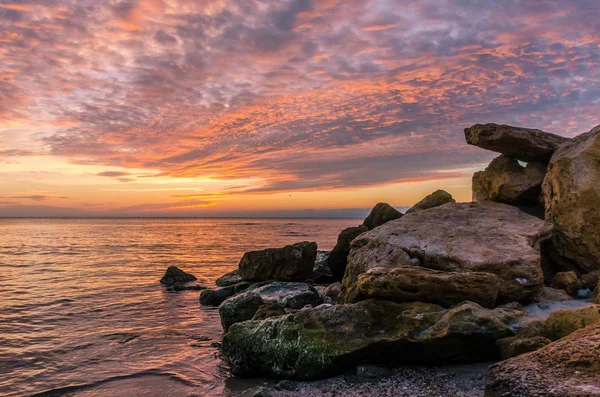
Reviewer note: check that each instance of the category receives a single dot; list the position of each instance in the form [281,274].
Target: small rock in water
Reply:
[585,293]
[175,275]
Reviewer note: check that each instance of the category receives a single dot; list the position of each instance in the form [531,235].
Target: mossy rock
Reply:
[563,322]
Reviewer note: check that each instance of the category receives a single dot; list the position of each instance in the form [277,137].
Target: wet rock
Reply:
[462,237]
[380,214]
[230,278]
[569,367]
[244,306]
[187,287]
[525,144]
[548,294]
[326,340]
[506,181]
[435,199]
[516,345]
[418,284]
[339,256]
[572,193]
[214,297]
[175,275]
[566,281]
[290,263]
[563,322]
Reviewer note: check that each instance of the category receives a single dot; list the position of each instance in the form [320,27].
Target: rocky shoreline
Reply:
[513,276]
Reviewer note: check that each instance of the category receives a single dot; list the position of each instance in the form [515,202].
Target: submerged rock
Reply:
[516,345]
[338,260]
[506,181]
[290,263]
[571,194]
[231,278]
[380,214]
[326,340]
[244,306]
[435,199]
[175,275]
[525,144]
[418,284]
[569,367]
[462,237]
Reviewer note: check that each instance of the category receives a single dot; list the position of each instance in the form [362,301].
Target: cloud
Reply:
[35,197]
[294,94]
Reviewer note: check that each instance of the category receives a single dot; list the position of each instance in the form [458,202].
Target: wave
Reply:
[60,391]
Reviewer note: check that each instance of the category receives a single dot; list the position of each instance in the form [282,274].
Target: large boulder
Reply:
[290,263]
[419,284]
[380,214]
[435,199]
[339,255]
[566,281]
[326,340]
[507,181]
[462,237]
[525,144]
[231,278]
[243,306]
[175,275]
[561,323]
[569,367]
[571,194]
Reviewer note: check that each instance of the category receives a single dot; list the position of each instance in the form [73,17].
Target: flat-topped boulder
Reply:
[290,263]
[507,181]
[339,255]
[380,214]
[435,199]
[243,306]
[175,275]
[457,237]
[525,144]
[572,196]
[569,367]
[329,339]
[419,284]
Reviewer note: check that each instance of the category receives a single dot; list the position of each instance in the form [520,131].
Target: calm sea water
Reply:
[82,312]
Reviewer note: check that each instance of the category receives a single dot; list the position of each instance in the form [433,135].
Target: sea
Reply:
[82,312]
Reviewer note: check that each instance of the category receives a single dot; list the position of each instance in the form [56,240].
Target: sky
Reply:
[283,108]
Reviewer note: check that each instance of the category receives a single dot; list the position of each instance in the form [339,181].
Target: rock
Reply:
[290,263]
[516,345]
[419,284]
[590,280]
[286,385]
[339,256]
[214,297]
[548,294]
[175,275]
[572,193]
[435,199]
[569,367]
[521,143]
[263,392]
[566,281]
[244,306]
[332,292]
[462,237]
[563,322]
[230,278]
[327,340]
[370,373]
[267,310]
[506,181]
[321,271]
[380,214]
